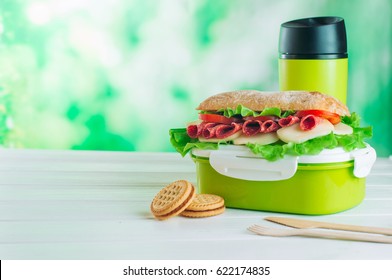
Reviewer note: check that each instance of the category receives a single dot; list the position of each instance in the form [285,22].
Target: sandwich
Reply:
[272,124]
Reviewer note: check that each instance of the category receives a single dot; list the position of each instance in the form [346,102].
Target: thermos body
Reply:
[313,56]
[328,76]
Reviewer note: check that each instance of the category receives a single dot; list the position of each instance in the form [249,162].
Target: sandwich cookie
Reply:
[172,199]
[205,205]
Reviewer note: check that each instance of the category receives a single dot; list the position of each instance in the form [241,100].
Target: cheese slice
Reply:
[294,134]
[261,138]
[342,129]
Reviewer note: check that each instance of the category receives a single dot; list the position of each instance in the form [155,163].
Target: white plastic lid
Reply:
[239,162]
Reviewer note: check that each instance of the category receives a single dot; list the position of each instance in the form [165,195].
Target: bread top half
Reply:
[285,100]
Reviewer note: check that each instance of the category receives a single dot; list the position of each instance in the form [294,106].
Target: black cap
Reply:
[312,38]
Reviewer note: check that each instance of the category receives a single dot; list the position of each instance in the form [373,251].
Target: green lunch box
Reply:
[327,183]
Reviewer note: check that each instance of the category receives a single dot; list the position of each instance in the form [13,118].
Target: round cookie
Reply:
[172,199]
[205,205]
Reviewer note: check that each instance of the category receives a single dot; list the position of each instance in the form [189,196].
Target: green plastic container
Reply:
[296,185]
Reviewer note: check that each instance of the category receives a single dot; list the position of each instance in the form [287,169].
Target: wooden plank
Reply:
[87,205]
[252,248]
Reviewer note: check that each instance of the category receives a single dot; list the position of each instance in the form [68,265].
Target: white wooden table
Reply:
[95,205]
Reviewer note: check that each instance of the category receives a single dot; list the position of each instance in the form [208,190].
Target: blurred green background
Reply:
[117,74]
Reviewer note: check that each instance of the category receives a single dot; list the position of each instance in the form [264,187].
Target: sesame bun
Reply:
[285,100]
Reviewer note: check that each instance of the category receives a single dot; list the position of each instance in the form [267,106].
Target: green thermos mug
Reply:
[313,56]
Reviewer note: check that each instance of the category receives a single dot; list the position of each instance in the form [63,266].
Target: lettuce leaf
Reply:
[313,146]
[240,110]
[182,143]
[352,120]
[246,112]
[271,152]
[355,140]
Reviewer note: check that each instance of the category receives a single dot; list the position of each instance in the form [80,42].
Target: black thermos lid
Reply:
[313,38]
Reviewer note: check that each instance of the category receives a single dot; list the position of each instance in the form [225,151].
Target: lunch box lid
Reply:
[239,162]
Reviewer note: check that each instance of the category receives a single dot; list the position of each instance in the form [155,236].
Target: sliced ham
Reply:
[208,131]
[192,131]
[195,130]
[251,127]
[288,121]
[213,130]
[309,122]
[269,126]
[225,130]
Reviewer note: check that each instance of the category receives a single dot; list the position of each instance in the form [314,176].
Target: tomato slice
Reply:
[261,118]
[215,118]
[331,117]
